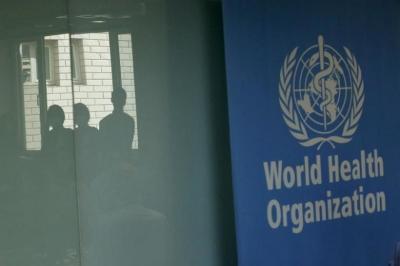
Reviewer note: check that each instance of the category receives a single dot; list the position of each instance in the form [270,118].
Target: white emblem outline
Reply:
[289,112]
[343,69]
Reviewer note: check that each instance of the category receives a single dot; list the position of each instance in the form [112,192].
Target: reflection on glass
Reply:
[86,60]
[30,92]
[78,117]
[92,74]
[75,186]
[58,70]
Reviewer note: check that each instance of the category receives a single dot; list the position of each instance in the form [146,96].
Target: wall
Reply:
[179,178]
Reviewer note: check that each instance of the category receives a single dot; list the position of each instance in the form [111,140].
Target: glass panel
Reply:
[38,199]
[159,204]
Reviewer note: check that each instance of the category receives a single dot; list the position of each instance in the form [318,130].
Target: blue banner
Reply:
[314,92]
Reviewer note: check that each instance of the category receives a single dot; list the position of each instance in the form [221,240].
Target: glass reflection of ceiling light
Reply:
[124,17]
[86,16]
[98,21]
[44,26]
[104,16]
[91,16]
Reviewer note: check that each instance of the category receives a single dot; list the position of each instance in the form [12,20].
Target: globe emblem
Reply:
[322,88]
[321,95]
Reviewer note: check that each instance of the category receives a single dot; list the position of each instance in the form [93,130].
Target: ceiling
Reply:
[32,17]
[26,18]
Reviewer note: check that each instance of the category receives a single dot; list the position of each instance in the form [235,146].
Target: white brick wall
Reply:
[96,84]
[32,117]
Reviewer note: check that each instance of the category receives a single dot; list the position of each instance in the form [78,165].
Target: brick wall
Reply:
[94,84]
[32,117]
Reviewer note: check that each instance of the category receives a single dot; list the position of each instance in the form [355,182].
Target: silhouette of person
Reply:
[58,151]
[86,136]
[112,187]
[86,141]
[58,142]
[117,129]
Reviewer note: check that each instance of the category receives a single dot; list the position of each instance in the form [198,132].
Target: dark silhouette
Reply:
[81,120]
[60,185]
[110,202]
[58,142]
[117,129]
[86,142]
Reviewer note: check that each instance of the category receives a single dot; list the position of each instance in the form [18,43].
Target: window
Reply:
[28,62]
[76,60]
[82,68]
[49,56]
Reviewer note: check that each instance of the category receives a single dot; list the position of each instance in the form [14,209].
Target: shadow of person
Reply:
[111,190]
[60,184]
[58,141]
[117,130]
[86,143]
[120,219]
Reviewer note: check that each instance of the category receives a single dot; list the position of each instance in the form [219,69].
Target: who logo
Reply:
[321,94]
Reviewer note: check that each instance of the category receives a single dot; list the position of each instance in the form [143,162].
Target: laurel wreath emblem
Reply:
[296,127]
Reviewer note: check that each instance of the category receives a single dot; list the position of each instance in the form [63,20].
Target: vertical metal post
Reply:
[41,70]
[115,60]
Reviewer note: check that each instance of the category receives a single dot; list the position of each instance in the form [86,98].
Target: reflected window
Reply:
[77,64]
[49,53]
[28,62]
[81,68]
